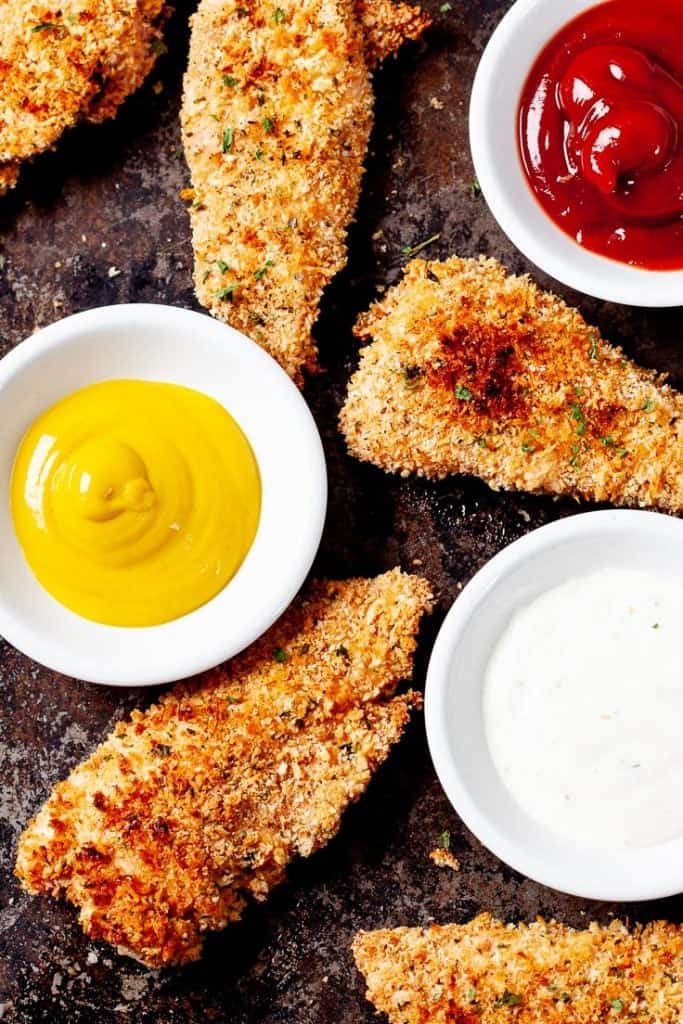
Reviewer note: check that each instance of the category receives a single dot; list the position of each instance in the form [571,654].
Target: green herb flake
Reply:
[617,1005]
[227,293]
[222,266]
[471,995]
[280,655]
[159,47]
[162,749]
[648,405]
[508,999]
[475,188]
[445,8]
[481,441]
[228,139]
[262,271]
[279,16]
[46,26]
[463,393]
[257,319]
[413,250]
[528,447]
[259,154]
[594,348]
[655,625]
[268,125]
[230,81]
[445,840]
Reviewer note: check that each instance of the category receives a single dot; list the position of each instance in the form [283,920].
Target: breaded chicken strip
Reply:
[202,800]
[486,972]
[58,65]
[473,371]
[276,116]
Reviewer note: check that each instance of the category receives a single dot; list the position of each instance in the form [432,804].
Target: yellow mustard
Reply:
[135,502]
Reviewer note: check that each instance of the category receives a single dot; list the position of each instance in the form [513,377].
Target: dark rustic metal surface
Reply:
[99,221]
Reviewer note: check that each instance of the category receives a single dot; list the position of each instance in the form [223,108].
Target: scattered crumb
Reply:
[444,859]
[435,103]
[113,272]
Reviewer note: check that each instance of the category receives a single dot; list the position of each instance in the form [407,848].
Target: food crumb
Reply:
[444,859]
[113,272]
[435,103]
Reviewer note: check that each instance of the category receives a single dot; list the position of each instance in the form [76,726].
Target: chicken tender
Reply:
[276,117]
[474,371]
[197,803]
[61,65]
[486,972]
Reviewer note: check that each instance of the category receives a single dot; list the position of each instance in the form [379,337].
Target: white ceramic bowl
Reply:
[154,342]
[498,84]
[572,547]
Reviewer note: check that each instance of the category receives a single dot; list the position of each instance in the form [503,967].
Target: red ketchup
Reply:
[601,131]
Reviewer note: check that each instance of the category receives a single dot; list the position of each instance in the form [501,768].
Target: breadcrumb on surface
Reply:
[60,65]
[475,371]
[486,972]
[190,807]
[444,859]
[276,117]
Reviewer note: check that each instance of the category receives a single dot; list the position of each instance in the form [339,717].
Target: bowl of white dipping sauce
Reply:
[554,705]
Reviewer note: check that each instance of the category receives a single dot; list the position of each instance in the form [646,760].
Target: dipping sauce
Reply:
[135,502]
[583,709]
[601,131]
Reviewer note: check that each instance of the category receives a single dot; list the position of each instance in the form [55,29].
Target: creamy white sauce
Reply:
[583,709]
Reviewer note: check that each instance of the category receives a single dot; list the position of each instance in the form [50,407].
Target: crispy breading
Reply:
[474,371]
[202,800]
[276,117]
[61,65]
[387,25]
[486,972]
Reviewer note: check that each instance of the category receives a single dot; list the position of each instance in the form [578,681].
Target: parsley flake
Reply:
[222,266]
[445,8]
[268,125]
[412,250]
[593,349]
[508,999]
[231,82]
[463,393]
[279,16]
[648,405]
[228,138]
[262,271]
[445,840]
[46,26]
[475,187]
[280,655]
[226,293]
[617,1005]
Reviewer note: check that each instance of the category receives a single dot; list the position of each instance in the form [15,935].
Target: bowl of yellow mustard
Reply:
[164,494]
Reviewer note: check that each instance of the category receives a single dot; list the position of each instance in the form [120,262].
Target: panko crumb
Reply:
[475,371]
[444,859]
[486,972]
[201,801]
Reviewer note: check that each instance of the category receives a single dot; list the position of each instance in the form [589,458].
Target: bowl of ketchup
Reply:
[576,127]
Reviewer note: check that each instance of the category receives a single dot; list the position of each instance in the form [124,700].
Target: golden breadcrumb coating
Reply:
[276,116]
[203,800]
[474,371]
[444,859]
[58,65]
[486,972]
[387,25]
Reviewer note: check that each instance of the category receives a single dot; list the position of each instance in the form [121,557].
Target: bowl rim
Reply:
[275,598]
[491,832]
[557,254]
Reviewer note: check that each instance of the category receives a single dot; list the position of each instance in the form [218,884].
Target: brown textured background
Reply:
[98,222]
